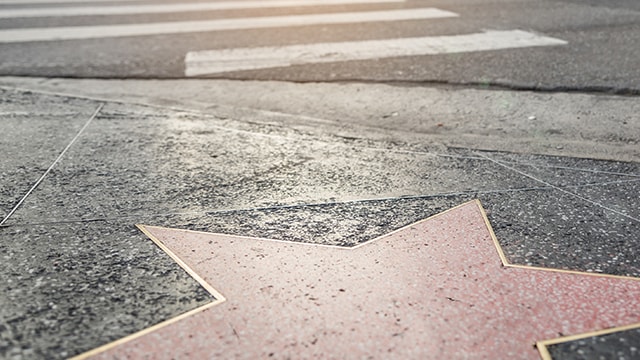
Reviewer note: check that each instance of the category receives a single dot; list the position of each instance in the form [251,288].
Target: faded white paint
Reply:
[104,31]
[28,2]
[173,8]
[226,60]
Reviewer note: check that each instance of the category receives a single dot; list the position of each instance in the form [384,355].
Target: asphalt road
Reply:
[601,51]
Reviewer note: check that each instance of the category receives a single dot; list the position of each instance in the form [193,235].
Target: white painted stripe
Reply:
[92,32]
[226,60]
[173,8]
[35,2]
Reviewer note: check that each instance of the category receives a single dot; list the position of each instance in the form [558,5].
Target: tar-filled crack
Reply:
[490,85]
[485,85]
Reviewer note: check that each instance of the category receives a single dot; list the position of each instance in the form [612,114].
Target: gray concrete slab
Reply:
[35,129]
[618,345]
[341,223]
[564,171]
[610,185]
[70,287]
[75,261]
[621,197]
[551,228]
[575,125]
[136,161]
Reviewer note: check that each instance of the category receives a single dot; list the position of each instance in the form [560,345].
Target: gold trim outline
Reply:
[338,247]
[544,351]
[541,345]
[217,295]
[219,298]
[506,263]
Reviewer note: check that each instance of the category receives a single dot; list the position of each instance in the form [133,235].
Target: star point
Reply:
[438,288]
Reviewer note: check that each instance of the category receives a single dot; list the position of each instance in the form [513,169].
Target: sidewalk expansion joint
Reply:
[60,156]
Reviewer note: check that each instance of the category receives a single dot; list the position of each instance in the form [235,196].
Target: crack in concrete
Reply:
[485,85]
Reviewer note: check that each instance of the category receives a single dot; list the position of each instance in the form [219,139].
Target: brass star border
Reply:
[541,345]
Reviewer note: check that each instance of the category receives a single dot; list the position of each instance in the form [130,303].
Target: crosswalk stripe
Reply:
[35,2]
[172,8]
[92,32]
[226,60]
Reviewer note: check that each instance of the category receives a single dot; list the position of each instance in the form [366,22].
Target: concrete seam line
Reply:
[15,208]
[561,189]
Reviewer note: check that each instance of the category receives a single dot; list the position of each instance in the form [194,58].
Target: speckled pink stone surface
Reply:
[436,289]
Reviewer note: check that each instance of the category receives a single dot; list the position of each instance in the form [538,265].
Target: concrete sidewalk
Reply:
[557,177]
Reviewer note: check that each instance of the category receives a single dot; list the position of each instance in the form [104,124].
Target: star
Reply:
[434,289]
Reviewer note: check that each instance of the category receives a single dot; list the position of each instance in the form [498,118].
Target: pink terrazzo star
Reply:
[436,289]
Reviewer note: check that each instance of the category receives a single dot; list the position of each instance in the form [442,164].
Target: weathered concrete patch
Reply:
[35,129]
[70,287]
[578,125]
